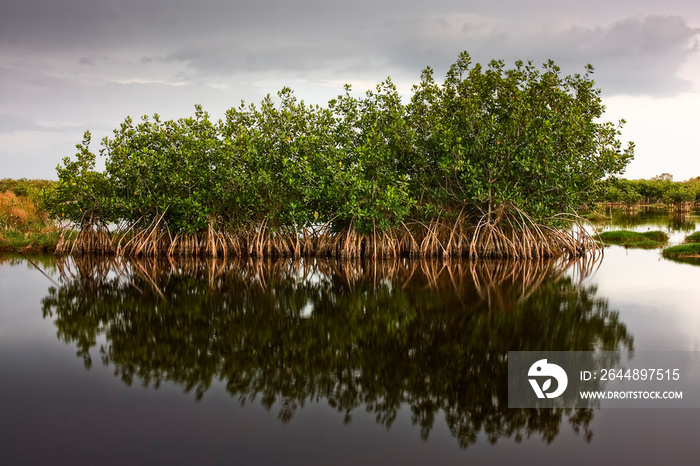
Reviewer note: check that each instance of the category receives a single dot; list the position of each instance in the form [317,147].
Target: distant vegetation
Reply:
[658,190]
[492,162]
[32,189]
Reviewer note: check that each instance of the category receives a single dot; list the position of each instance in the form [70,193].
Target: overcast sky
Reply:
[67,66]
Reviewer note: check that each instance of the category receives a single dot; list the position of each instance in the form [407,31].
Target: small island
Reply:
[489,163]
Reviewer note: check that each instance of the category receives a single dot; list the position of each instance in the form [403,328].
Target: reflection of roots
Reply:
[506,232]
[498,283]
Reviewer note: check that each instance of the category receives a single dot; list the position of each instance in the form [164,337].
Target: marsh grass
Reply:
[690,250]
[693,238]
[19,213]
[25,227]
[31,241]
[635,239]
[595,217]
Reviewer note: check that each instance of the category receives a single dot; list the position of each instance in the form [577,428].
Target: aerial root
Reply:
[505,233]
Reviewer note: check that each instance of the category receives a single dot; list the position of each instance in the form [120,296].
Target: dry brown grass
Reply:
[23,226]
[16,212]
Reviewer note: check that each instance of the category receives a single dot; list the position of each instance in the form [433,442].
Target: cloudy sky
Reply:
[67,66]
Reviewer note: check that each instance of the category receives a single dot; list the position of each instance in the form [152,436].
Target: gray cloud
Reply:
[71,65]
[13,123]
[325,38]
[640,55]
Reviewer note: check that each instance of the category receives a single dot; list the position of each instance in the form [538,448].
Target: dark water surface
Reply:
[280,362]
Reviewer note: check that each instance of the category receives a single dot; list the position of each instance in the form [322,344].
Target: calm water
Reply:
[274,362]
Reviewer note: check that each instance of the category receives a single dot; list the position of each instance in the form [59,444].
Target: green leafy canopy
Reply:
[483,140]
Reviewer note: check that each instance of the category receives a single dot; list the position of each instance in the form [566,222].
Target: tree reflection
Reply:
[660,218]
[428,335]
